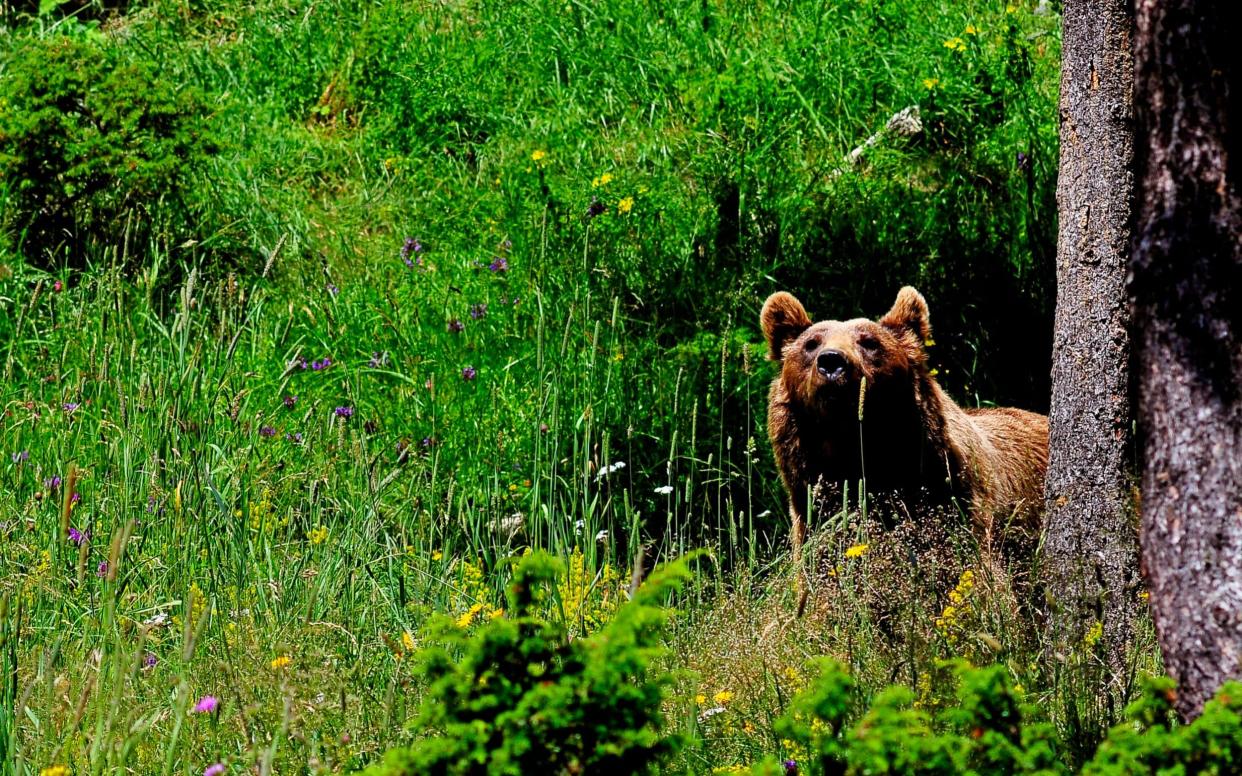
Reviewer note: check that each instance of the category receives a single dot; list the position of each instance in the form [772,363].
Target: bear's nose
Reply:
[831,364]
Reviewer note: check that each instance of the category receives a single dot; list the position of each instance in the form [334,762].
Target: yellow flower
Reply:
[700,699]
[55,770]
[469,615]
[723,697]
[955,44]
[856,551]
[601,180]
[539,155]
[280,662]
[407,641]
[319,535]
[1011,8]
[493,614]
[970,30]
[1094,635]
[625,206]
[1144,596]
[436,555]
[930,83]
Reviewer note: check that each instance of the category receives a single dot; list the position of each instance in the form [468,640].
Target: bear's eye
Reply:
[810,345]
[869,343]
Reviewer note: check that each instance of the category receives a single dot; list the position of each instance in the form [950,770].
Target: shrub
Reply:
[94,148]
[518,697]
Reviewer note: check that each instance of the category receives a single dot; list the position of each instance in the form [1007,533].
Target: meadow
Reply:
[315,316]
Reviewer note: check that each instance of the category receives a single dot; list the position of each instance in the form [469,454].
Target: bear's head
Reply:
[822,364]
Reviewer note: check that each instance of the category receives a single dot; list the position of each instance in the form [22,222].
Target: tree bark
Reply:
[1091,541]
[1186,287]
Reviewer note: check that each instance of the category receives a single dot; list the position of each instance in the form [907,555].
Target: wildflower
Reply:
[856,551]
[319,535]
[930,83]
[499,264]
[214,770]
[596,208]
[1024,162]
[791,768]
[290,401]
[477,311]
[538,155]
[601,537]
[206,705]
[700,699]
[70,406]
[609,469]
[955,44]
[378,360]
[294,437]
[344,412]
[149,661]
[496,614]
[280,662]
[319,366]
[436,555]
[427,441]
[19,457]
[267,431]
[55,770]
[407,641]
[970,30]
[1011,8]
[102,569]
[601,180]
[469,373]
[333,290]
[625,206]
[78,537]
[468,616]
[53,482]
[722,697]
[57,286]
[411,247]
[1094,634]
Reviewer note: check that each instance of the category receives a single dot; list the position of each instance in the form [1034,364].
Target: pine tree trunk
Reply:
[1091,541]
[1186,288]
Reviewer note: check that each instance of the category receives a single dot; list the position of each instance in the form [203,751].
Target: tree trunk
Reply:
[1186,287]
[1091,542]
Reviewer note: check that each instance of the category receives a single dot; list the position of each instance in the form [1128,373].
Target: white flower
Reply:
[664,490]
[602,536]
[709,713]
[609,469]
[764,513]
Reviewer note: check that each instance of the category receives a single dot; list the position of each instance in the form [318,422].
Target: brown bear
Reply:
[855,401]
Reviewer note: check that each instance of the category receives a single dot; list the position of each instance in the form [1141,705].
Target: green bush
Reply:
[95,148]
[518,697]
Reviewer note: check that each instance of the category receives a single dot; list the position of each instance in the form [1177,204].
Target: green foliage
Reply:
[94,146]
[518,697]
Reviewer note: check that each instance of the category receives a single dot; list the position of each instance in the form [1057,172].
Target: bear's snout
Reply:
[832,365]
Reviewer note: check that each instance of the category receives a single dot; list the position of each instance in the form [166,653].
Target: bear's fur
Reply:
[915,441]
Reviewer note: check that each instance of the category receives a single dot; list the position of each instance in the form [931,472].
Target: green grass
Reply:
[712,139]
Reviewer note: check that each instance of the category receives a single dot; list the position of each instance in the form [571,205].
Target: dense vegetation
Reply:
[316,315]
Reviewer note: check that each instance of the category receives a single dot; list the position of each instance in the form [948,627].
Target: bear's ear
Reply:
[909,314]
[783,319]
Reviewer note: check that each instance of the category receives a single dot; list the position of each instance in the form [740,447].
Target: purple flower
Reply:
[70,406]
[477,311]
[78,537]
[267,431]
[469,373]
[791,768]
[52,482]
[299,362]
[344,412]
[294,437]
[319,366]
[378,359]
[206,705]
[290,401]
[412,247]
[596,208]
[75,498]
[1024,162]
[214,770]
[102,569]
[149,660]
[456,326]
[21,456]
[428,441]
[499,264]
[333,290]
